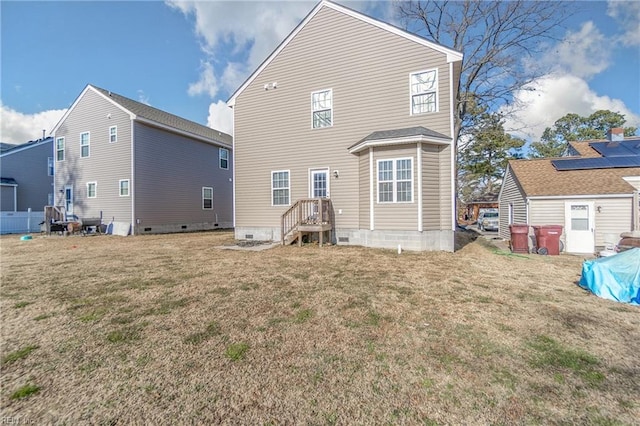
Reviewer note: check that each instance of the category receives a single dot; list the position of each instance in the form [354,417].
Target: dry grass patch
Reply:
[171,327]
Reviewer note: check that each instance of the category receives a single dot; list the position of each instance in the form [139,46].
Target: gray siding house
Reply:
[136,165]
[592,195]
[27,176]
[349,123]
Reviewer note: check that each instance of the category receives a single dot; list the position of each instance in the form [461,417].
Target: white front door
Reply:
[579,226]
[319,183]
[68,199]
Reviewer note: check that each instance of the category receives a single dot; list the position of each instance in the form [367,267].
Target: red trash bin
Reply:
[519,237]
[548,239]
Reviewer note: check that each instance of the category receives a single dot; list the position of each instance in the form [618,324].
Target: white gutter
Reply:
[371,191]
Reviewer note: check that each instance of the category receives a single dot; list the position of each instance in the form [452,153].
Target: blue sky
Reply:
[187,58]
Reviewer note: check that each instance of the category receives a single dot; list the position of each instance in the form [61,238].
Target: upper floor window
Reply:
[322,107]
[124,187]
[207,198]
[50,169]
[92,189]
[280,188]
[84,144]
[113,134]
[424,92]
[224,158]
[59,149]
[395,180]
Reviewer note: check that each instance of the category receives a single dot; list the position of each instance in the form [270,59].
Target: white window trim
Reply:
[203,198]
[220,151]
[313,111]
[288,188]
[394,181]
[51,169]
[96,189]
[128,187]
[88,145]
[58,149]
[114,134]
[437,108]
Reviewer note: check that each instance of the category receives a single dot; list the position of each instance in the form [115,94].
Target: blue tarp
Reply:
[615,277]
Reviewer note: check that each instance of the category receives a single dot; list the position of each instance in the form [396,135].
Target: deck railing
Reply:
[306,211]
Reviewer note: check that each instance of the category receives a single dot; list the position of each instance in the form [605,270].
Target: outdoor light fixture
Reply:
[336,174]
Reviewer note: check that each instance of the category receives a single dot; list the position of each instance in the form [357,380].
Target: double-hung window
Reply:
[280,188]
[84,144]
[207,198]
[124,187]
[223,153]
[59,149]
[322,108]
[395,180]
[113,134]
[50,168]
[92,189]
[424,92]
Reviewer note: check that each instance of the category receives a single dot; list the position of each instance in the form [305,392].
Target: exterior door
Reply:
[579,226]
[319,183]
[68,199]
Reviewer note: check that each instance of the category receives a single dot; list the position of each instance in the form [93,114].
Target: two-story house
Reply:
[348,125]
[140,167]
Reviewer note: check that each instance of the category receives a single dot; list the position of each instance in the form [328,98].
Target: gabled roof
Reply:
[400,136]
[452,55]
[584,149]
[539,178]
[155,117]
[27,145]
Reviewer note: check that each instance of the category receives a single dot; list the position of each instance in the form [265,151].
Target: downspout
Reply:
[419,160]
[454,148]
[132,185]
[635,213]
[233,165]
[371,191]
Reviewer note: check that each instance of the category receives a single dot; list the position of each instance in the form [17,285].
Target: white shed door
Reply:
[579,226]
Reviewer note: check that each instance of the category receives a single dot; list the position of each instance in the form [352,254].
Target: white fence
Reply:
[20,222]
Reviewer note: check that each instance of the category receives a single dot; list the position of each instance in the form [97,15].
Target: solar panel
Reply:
[618,148]
[597,163]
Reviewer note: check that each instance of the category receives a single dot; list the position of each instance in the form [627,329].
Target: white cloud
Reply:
[249,29]
[627,13]
[142,98]
[220,117]
[17,128]
[584,53]
[208,82]
[549,98]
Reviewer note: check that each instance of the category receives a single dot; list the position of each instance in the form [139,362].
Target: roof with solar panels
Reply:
[603,166]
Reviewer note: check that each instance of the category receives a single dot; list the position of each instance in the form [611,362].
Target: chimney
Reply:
[616,134]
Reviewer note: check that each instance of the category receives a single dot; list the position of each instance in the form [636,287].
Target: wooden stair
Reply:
[305,217]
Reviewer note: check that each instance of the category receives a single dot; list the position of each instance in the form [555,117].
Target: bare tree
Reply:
[499,39]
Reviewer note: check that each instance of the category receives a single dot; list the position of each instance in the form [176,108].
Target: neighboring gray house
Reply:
[27,176]
[136,165]
[348,125]
[592,194]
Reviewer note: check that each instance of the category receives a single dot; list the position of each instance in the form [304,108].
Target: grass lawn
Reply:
[170,328]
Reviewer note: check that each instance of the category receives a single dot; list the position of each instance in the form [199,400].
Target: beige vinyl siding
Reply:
[396,216]
[432,207]
[446,206]
[29,168]
[170,172]
[368,71]
[107,163]
[364,191]
[615,214]
[511,194]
